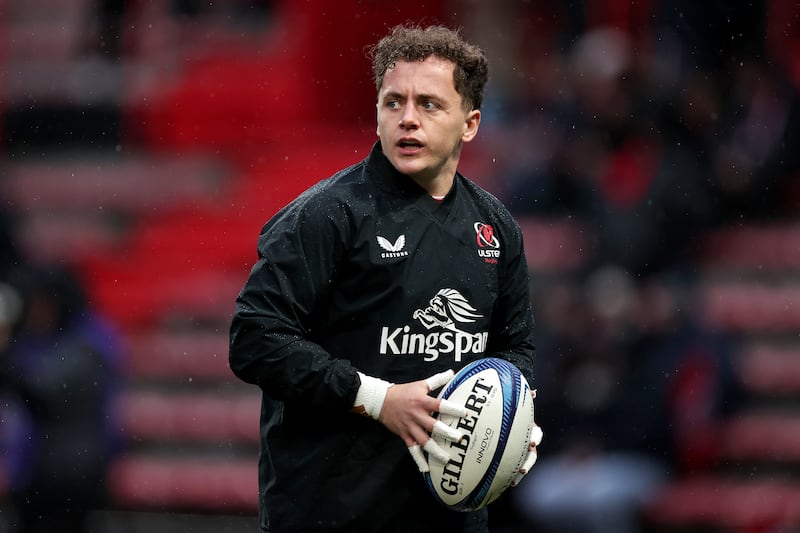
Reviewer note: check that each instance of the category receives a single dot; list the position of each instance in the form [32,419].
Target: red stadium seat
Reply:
[150,299]
[135,185]
[221,484]
[767,435]
[164,355]
[553,244]
[723,504]
[752,306]
[773,247]
[770,369]
[191,417]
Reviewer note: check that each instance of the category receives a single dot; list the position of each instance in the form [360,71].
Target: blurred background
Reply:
[649,148]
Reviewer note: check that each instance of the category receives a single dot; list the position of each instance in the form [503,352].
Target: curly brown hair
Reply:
[414,43]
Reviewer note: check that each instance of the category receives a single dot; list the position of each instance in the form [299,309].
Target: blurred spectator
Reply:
[598,471]
[60,372]
[714,35]
[105,29]
[10,256]
[10,308]
[649,203]
[693,365]
[249,12]
[633,387]
[651,123]
[756,160]
[614,165]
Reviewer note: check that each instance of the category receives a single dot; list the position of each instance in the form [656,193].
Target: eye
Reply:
[392,104]
[429,105]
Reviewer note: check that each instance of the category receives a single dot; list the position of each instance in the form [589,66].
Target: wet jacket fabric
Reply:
[366,272]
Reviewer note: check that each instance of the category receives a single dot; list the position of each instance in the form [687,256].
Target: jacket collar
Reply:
[381,171]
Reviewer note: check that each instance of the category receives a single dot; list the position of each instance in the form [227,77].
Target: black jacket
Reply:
[365,271]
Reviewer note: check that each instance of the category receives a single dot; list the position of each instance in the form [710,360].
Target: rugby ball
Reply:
[497,432]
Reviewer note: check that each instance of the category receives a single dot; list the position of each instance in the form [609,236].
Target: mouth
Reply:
[409,145]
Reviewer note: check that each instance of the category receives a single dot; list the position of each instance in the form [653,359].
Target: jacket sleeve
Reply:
[272,326]
[511,336]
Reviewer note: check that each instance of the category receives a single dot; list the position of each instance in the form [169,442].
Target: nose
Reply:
[409,117]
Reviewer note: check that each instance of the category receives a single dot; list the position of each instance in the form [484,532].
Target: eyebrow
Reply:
[397,95]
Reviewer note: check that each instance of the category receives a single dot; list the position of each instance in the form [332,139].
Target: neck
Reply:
[438,181]
[438,187]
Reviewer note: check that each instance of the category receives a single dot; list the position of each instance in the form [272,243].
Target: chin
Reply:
[417,172]
[406,166]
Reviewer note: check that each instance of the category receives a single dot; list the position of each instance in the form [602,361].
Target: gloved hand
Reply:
[530,460]
[439,428]
[411,417]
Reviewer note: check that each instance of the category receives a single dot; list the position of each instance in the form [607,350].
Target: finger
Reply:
[416,454]
[443,430]
[438,380]
[436,451]
[530,460]
[536,435]
[447,407]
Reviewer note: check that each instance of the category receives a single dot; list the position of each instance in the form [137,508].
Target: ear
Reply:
[471,123]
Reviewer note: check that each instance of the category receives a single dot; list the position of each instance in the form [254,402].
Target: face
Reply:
[422,122]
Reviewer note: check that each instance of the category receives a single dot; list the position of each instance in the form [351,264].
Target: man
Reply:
[59,375]
[370,288]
